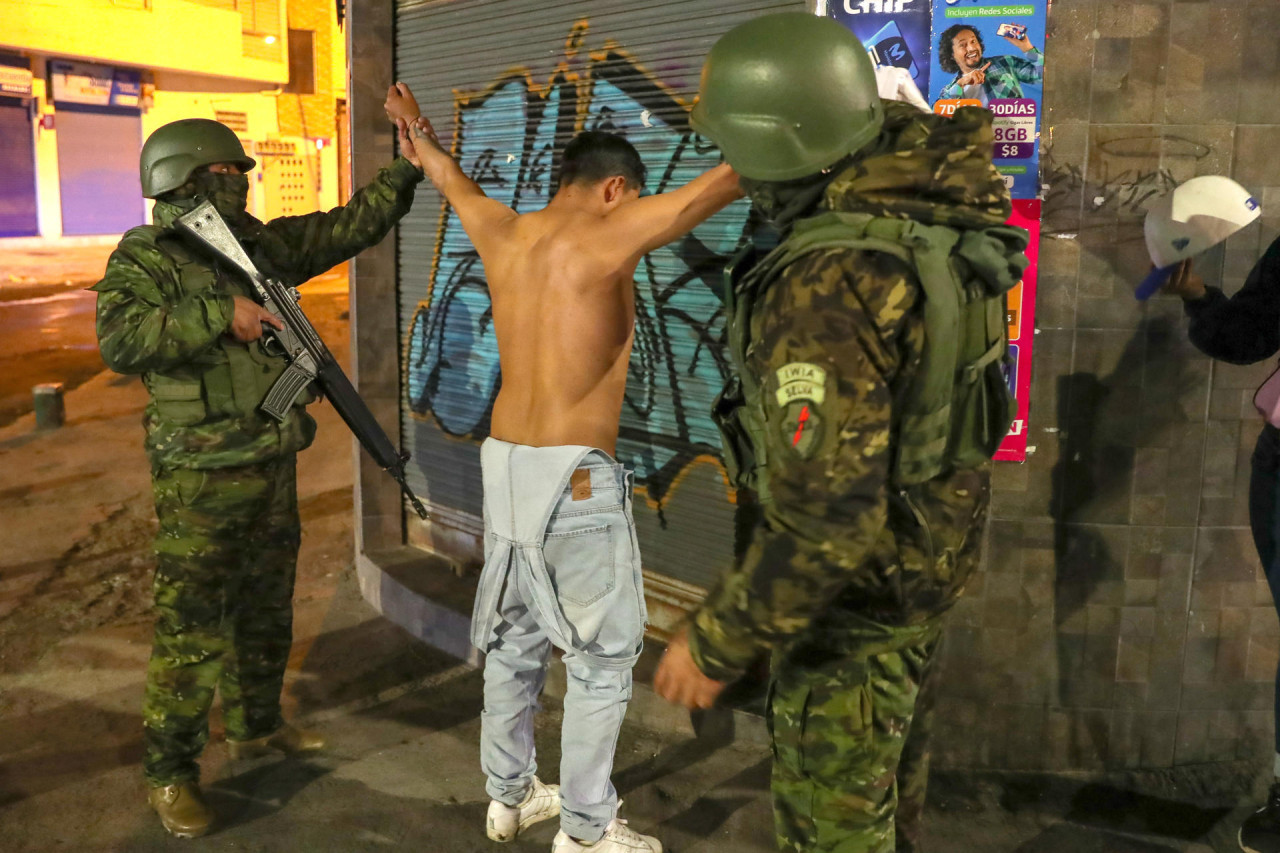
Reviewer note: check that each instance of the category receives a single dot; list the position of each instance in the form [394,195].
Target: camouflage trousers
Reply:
[849,718]
[225,558]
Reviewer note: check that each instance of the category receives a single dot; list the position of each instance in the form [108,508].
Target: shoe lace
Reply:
[621,832]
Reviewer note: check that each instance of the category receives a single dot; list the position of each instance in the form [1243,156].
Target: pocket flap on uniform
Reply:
[178,402]
[166,391]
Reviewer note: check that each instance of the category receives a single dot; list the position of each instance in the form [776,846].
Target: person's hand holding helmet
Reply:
[1185,282]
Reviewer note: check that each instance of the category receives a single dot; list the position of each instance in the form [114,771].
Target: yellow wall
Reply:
[314,116]
[172,34]
[179,45]
[48,200]
[260,108]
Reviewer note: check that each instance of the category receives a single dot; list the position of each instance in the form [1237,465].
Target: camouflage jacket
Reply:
[164,312]
[839,549]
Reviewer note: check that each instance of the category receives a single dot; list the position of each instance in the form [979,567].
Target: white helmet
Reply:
[1196,216]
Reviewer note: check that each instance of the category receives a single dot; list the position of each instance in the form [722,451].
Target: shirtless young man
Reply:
[562,566]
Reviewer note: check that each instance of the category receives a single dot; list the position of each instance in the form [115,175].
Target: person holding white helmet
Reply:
[1241,329]
[1195,217]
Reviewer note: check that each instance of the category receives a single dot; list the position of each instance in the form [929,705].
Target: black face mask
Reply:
[229,193]
[780,202]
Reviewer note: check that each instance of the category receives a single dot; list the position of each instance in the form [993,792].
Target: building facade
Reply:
[77,101]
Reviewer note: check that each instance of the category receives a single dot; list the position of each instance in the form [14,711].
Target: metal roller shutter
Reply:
[98,167]
[509,82]
[18,217]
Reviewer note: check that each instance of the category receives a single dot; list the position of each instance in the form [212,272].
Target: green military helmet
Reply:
[177,149]
[787,95]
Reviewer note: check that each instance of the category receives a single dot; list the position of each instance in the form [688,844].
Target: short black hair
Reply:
[946,58]
[594,155]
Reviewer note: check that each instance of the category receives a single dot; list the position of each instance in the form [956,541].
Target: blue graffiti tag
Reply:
[508,138]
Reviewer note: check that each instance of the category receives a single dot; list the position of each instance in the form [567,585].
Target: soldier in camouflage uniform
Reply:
[223,471]
[849,571]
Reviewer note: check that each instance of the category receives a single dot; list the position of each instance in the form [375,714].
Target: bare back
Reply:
[560,280]
[564,315]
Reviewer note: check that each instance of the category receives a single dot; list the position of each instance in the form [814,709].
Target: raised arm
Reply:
[481,217]
[653,221]
[303,246]
[1028,68]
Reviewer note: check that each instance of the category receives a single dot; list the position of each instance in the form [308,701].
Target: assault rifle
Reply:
[309,359]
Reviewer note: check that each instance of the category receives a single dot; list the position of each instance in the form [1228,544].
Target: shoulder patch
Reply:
[801,381]
[802,428]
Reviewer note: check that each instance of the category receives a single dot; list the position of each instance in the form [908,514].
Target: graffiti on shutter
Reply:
[678,362]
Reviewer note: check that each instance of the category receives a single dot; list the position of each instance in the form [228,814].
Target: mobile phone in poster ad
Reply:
[1021,312]
[896,33]
[991,53]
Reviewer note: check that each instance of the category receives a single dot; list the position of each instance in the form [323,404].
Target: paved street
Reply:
[46,338]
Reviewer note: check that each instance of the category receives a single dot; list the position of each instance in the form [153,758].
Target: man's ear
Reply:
[614,187]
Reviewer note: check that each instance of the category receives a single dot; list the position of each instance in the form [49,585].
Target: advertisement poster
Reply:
[95,85]
[1022,331]
[896,34]
[992,53]
[984,53]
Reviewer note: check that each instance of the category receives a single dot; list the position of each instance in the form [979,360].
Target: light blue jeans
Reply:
[562,572]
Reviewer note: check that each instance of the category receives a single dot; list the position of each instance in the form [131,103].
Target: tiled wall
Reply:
[1122,620]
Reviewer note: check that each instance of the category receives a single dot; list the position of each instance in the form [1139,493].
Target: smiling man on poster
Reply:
[962,52]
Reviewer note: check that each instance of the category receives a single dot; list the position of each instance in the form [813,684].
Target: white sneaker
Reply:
[618,838]
[505,822]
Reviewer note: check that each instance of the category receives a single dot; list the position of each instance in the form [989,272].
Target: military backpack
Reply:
[957,408]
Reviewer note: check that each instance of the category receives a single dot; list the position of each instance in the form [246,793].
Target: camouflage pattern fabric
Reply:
[913,765]
[226,551]
[929,168]
[164,314]
[835,540]
[223,472]
[848,739]
[840,559]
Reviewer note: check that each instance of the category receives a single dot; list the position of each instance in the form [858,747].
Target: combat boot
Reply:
[182,809]
[288,739]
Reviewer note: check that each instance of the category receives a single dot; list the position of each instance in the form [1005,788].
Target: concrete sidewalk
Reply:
[403,719]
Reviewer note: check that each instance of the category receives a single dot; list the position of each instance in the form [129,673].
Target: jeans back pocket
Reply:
[581,564]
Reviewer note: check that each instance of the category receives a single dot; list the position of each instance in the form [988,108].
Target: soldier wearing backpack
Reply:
[868,400]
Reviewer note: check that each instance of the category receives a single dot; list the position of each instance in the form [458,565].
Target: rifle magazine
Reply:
[282,395]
